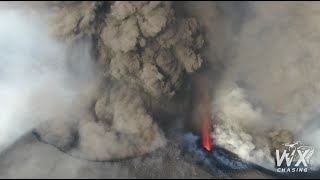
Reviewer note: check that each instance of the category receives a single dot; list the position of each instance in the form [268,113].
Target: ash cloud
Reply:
[141,43]
[145,52]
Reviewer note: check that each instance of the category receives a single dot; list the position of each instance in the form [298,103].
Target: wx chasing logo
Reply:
[297,158]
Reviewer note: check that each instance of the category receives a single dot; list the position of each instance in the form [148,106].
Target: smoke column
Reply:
[146,51]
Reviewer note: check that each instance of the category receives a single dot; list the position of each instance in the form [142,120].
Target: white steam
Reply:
[273,67]
[36,84]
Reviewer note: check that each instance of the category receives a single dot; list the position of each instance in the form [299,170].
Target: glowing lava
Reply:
[206,131]
[205,114]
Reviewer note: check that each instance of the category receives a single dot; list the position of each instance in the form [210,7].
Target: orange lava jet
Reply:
[205,134]
[205,115]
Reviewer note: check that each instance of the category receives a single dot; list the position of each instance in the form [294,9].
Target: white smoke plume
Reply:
[36,82]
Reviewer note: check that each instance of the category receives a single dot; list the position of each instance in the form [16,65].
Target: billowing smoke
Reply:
[141,43]
[145,51]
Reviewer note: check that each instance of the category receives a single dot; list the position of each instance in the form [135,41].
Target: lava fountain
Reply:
[205,134]
[204,114]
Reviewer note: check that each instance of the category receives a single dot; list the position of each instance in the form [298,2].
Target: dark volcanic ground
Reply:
[29,158]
